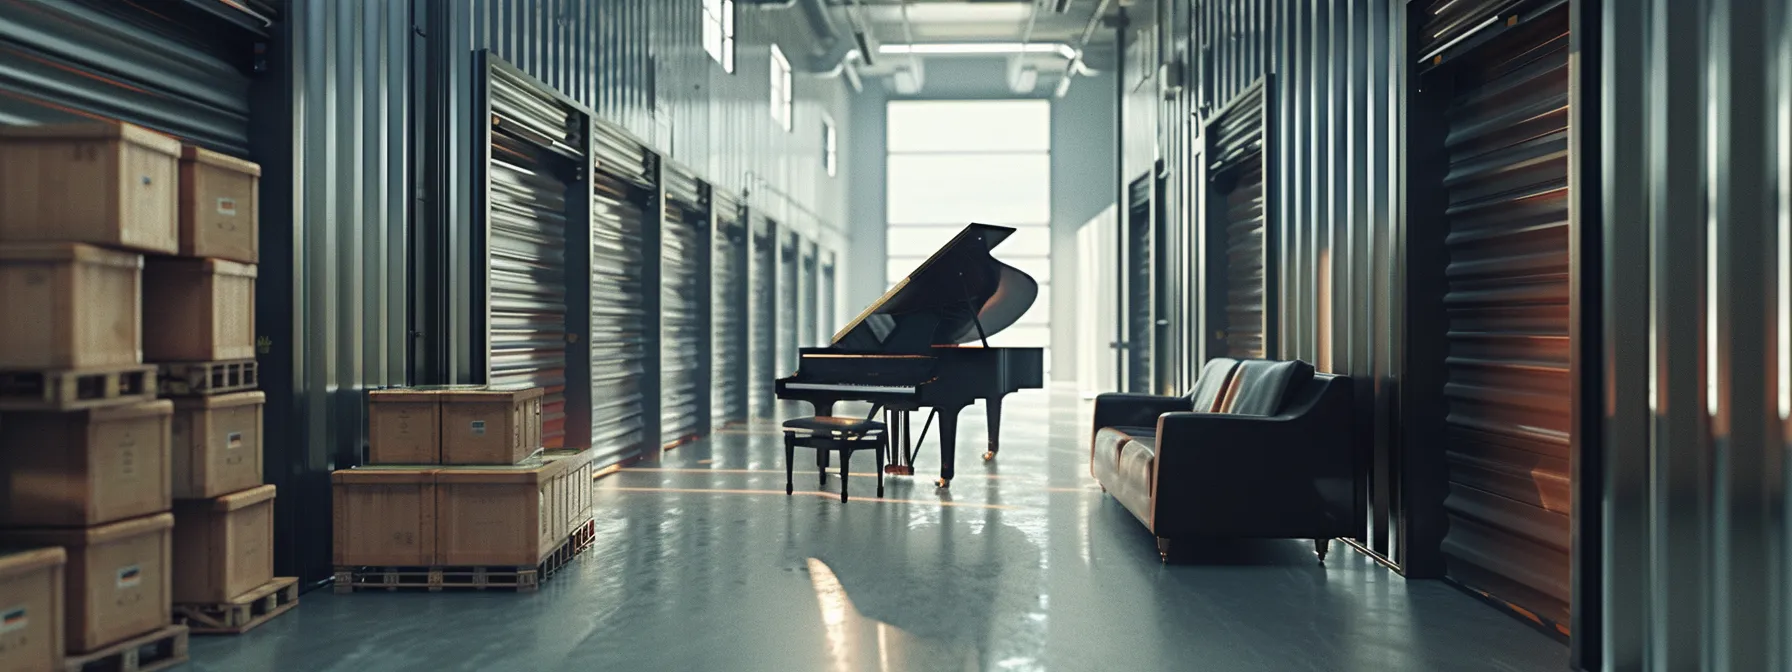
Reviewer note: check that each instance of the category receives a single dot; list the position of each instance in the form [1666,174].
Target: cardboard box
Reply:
[117,579]
[199,310]
[219,206]
[404,427]
[105,183]
[384,516]
[32,612]
[223,547]
[495,425]
[217,444]
[69,306]
[505,515]
[81,468]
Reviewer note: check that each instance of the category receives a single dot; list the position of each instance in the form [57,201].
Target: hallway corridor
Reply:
[702,563]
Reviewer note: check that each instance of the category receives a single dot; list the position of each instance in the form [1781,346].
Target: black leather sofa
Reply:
[1259,449]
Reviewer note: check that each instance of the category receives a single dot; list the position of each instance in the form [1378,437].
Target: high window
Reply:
[718,31]
[830,157]
[989,161]
[781,96]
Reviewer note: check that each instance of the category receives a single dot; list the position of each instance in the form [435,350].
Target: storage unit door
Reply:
[789,305]
[827,300]
[1138,285]
[526,245]
[618,297]
[1240,312]
[730,295]
[1506,334]
[764,348]
[681,319]
[171,68]
[808,318]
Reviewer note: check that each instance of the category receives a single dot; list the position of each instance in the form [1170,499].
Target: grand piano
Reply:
[925,344]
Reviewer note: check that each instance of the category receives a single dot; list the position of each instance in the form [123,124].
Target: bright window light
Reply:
[718,31]
[781,85]
[830,157]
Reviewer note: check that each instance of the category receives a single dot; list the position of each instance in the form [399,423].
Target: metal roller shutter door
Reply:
[1507,391]
[681,322]
[1138,285]
[1240,310]
[618,302]
[808,318]
[177,69]
[789,303]
[526,209]
[730,295]
[764,348]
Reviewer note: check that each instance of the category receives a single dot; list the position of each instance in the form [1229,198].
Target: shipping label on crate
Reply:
[226,206]
[13,620]
[233,440]
[130,576]
[478,427]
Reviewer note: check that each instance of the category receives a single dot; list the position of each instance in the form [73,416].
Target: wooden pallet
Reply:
[76,390]
[242,614]
[209,378]
[435,579]
[157,650]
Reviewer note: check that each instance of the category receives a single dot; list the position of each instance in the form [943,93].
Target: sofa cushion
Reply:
[1123,462]
[1209,389]
[1109,440]
[1263,387]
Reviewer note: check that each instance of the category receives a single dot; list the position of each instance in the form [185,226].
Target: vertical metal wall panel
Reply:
[808,306]
[683,233]
[619,315]
[1138,284]
[532,166]
[731,295]
[827,293]
[789,301]
[763,348]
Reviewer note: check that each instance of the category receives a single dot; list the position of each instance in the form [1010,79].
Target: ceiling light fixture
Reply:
[979,49]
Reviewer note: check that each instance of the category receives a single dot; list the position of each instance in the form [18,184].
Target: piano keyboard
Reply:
[877,389]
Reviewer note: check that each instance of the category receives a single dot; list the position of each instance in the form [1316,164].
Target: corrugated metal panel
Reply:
[1241,312]
[828,292]
[808,317]
[682,237]
[619,319]
[764,305]
[171,70]
[1507,363]
[789,305]
[1138,284]
[531,159]
[730,292]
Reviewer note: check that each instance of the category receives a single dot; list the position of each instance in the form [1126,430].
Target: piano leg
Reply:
[948,444]
[994,405]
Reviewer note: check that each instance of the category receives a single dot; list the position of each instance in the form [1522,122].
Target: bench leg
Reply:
[880,470]
[845,460]
[789,467]
[1163,549]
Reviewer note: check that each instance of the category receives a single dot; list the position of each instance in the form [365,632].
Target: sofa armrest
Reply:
[1133,410]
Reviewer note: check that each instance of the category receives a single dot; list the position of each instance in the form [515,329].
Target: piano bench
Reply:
[826,433]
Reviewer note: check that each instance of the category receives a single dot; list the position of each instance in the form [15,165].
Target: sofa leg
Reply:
[1321,547]
[1163,549]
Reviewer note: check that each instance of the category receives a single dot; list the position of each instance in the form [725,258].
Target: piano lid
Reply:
[934,305]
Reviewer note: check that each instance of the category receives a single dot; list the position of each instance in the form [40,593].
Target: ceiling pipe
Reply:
[1075,66]
[1061,6]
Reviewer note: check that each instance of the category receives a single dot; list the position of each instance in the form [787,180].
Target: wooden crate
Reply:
[31,609]
[384,516]
[217,444]
[85,467]
[22,390]
[404,426]
[69,306]
[105,183]
[219,203]
[503,515]
[224,546]
[117,581]
[160,650]
[199,310]
[493,425]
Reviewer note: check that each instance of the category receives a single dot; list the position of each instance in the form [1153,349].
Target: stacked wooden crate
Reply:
[459,494]
[84,443]
[199,328]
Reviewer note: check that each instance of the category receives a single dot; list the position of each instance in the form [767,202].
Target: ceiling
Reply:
[941,29]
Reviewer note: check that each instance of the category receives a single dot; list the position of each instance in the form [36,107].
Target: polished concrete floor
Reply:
[703,563]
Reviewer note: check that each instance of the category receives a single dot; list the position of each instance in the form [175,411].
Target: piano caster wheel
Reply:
[941,483]
[990,455]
